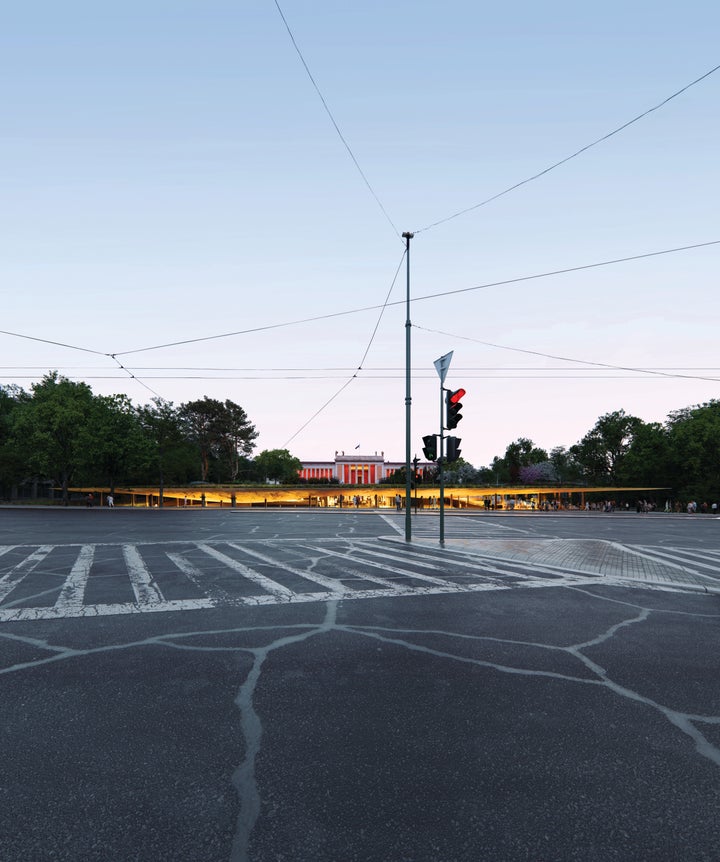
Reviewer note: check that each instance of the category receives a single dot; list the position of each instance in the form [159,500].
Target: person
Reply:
[89,500]
[398,501]
[110,501]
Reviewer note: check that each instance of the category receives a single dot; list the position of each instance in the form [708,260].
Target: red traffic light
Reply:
[455,396]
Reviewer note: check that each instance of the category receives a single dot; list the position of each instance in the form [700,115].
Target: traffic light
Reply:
[452,449]
[453,414]
[430,447]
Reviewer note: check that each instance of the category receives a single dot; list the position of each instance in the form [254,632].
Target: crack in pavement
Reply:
[244,777]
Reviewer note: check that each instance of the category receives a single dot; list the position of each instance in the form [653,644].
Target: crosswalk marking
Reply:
[216,594]
[329,583]
[73,590]
[387,568]
[685,558]
[264,583]
[9,581]
[147,592]
[303,571]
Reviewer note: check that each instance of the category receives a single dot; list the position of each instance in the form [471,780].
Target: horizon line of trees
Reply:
[63,433]
[681,455]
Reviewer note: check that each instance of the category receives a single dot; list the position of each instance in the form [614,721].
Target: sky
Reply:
[205,197]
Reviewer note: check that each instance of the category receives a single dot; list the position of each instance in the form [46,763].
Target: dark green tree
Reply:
[694,446]
[163,433]
[601,451]
[277,465]
[522,453]
[11,463]
[119,441]
[53,429]
[218,429]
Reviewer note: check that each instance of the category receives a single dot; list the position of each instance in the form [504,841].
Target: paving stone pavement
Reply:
[588,556]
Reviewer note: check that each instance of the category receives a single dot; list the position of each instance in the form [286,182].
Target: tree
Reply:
[11,464]
[522,453]
[239,437]
[54,428]
[601,451]
[648,461]
[542,473]
[118,438]
[277,465]
[162,427]
[693,436]
[218,428]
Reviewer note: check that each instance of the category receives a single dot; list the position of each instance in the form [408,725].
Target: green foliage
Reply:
[221,431]
[61,431]
[53,430]
[602,450]
[693,447]
[277,465]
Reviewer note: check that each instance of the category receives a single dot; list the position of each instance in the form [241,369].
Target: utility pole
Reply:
[441,366]
[407,236]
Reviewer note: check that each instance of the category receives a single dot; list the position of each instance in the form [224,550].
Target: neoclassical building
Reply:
[354,469]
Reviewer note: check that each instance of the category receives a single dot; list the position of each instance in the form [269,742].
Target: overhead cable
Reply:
[359,368]
[485,286]
[332,120]
[572,155]
[652,372]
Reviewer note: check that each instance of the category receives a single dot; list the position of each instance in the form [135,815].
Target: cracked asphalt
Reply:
[569,710]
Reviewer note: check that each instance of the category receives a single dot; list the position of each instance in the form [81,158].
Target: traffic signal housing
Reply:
[453,408]
[430,447]
[452,449]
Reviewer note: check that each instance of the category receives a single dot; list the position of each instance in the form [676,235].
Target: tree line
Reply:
[60,432]
[681,455]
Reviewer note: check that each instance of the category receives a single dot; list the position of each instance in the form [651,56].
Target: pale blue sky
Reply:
[169,173]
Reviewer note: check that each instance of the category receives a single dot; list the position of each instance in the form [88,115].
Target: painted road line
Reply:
[684,556]
[9,581]
[146,590]
[264,583]
[100,610]
[428,579]
[674,561]
[73,590]
[329,583]
[217,594]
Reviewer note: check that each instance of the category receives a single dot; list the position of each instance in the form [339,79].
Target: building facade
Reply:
[354,469]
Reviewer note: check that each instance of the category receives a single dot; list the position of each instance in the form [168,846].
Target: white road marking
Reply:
[217,594]
[329,583]
[462,574]
[387,568]
[398,591]
[264,583]
[9,581]
[147,592]
[73,590]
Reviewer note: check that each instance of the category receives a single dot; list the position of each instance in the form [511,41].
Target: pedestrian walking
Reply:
[110,501]
[398,502]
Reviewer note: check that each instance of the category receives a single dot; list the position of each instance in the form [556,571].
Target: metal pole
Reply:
[407,236]
[441,461]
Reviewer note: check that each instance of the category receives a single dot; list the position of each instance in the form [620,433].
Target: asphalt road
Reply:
[272,686]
